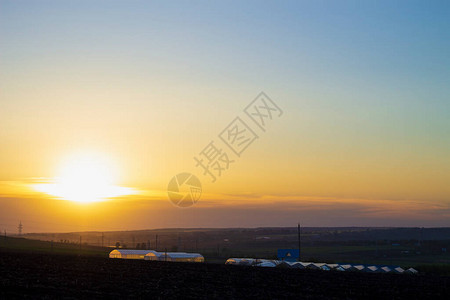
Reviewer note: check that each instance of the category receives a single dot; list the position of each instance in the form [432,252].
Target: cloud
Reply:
[152,209]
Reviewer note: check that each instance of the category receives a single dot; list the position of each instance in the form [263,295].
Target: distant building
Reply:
[176,257]
[155,255]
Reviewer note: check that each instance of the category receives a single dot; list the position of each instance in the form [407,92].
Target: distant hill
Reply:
[211,236]
[402,246]
[8,244]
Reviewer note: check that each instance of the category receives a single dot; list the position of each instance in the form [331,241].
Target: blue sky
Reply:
[364,86]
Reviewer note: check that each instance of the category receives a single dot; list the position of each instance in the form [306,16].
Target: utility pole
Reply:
[80,242]
[299,244]
[20,227]
[103,236]
[156,244]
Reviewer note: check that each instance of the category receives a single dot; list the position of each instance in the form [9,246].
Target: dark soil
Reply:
[29,275]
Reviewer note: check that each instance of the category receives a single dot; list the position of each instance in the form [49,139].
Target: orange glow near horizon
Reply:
[85,178]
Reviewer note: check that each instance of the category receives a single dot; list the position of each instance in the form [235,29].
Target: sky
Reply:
[134,90]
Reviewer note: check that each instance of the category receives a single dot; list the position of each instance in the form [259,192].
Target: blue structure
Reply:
[288,254]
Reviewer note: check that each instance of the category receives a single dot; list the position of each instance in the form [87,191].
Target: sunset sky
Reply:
[108,100]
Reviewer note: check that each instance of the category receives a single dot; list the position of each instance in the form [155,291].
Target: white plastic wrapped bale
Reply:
[384,270]
[306,265]
[398,270]
[358,268]
[411,271]
[371,269]
[332,266]
[346,267]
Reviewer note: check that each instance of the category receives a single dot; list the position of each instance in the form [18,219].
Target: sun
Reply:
[85,178]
